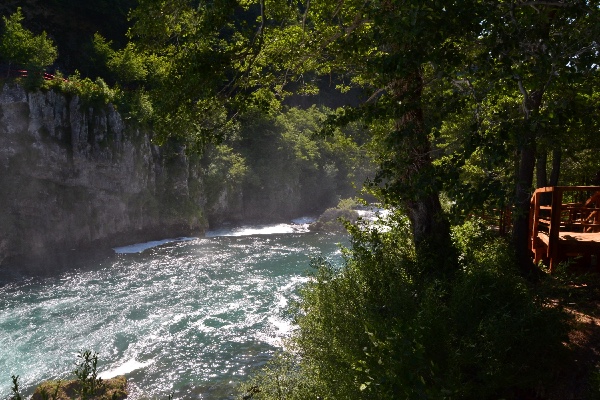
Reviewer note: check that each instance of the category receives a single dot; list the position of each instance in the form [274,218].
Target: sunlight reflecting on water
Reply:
[187,316]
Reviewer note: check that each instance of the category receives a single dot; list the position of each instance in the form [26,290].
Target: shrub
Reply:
[383,327]
[16,394]
[20,46]
[94,93]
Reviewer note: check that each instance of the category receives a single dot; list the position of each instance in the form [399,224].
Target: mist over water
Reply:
[191,316]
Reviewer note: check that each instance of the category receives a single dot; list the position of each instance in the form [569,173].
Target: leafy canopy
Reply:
[20,46]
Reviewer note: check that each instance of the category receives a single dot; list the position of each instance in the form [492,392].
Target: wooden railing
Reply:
[551,220]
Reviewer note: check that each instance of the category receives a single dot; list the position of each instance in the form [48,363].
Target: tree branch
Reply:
[525,97]
[543,3]
[376,94]
[305,15]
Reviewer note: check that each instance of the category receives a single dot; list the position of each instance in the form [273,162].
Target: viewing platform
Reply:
[564,224]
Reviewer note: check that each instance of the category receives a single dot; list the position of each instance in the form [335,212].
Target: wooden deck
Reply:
[564,224]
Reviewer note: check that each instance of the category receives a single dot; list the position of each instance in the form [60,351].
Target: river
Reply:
[190,316]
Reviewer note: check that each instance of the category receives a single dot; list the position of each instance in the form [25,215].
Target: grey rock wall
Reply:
[75,179]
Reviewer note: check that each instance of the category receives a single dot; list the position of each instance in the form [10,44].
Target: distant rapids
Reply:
[188,316]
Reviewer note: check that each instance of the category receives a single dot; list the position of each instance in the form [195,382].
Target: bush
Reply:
[21,47]
[95,93]
[381,327]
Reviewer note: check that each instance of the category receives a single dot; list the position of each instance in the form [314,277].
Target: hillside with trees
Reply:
[238,155]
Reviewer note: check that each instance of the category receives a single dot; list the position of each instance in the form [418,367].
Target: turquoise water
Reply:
[190,317]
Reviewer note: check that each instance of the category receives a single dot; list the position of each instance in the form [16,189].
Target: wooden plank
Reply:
[543,237]
[582,224]
[573,188]
[588,237]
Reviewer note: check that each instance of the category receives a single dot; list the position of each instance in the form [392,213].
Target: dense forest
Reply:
[464,107]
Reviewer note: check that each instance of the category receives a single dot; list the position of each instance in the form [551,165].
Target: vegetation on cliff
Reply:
[239,158]
[279,166]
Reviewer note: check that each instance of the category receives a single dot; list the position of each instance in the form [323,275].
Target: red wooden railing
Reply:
[560,230]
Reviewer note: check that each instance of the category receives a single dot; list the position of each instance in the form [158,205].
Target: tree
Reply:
[534,52]
[20,46]
[523,93]
[191,67]
[489,65]
[381,47]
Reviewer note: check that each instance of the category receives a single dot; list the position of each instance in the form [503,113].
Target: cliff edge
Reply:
[75,178]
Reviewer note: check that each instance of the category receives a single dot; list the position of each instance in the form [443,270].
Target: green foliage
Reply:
[287,167]
[594,390]
[95,92]
[127,65]
[226,172]
[581,168]
[87,374]
[189,67]
[338,161]
[16,395]
[348,204]
[45,395]
[382,327]
[21,47]
[135,105]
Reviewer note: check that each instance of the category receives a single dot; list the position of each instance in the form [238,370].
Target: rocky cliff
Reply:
[75,178]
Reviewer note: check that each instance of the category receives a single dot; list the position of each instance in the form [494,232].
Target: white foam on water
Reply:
[281,326]
[224,305]
[299,225]
[125,368]
[140,247]
[373,213]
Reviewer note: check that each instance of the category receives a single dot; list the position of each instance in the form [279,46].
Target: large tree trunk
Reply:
[555,173]
[522,199]
[541,176]
[413,182]
[523,183]
[431,232]
[541,166]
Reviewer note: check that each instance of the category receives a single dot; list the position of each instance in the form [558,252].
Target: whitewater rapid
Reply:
[191,316]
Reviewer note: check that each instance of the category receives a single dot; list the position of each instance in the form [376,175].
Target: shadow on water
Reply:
[54,265]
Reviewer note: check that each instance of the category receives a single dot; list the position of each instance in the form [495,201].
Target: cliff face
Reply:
[74,178]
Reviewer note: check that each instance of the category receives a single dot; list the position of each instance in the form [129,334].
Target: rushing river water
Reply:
[191,316]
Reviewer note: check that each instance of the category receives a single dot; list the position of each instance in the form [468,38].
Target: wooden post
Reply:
[534,215]
[554,227]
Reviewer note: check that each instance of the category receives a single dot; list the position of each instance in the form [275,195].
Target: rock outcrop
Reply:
[75,178]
